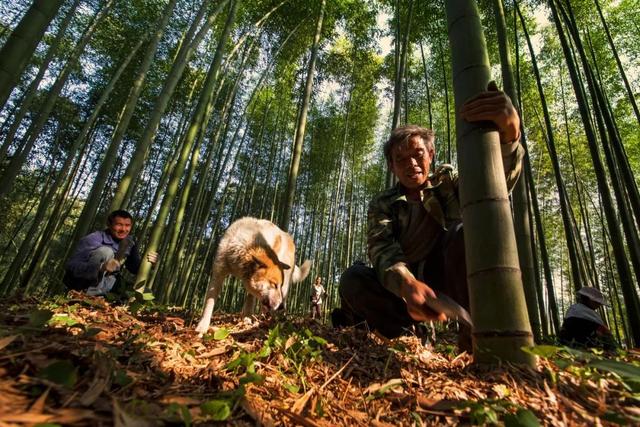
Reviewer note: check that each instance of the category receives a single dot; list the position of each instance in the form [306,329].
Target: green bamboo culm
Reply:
[493,270]
[289,194]
[199,121]
[22,42]
[520,201]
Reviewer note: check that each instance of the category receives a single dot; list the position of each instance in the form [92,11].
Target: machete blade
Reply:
[444,304]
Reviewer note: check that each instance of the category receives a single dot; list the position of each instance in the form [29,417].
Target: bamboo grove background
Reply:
[191,114]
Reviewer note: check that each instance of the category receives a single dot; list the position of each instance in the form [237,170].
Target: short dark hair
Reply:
[120,213]
[402,134]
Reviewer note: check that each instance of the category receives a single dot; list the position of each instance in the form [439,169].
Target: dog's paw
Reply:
[201,329]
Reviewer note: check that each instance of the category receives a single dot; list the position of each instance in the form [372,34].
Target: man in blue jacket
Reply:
[99,256]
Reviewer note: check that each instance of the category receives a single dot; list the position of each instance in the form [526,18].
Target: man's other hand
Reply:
[110,266]
[416,293]
[495,106]
[152,257]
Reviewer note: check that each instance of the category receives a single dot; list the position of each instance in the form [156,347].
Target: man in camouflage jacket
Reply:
[415,236]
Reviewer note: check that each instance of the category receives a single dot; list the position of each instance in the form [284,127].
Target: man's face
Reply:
[410,162]
[120,227]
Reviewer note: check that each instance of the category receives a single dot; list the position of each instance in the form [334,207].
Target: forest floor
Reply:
[83,361]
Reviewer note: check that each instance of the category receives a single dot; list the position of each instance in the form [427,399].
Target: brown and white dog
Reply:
[262,256]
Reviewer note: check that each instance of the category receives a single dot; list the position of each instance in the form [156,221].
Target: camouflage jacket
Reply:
[401,233]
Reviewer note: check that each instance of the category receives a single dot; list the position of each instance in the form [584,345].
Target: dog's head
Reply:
[265,278]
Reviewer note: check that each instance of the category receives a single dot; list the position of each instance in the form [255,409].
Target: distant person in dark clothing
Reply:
[583,327]
[99,256]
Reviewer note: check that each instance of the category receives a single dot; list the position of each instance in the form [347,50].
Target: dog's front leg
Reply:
[212,293]
[249,305]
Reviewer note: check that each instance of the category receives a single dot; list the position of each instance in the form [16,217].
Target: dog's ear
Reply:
[284,266]
[277,242]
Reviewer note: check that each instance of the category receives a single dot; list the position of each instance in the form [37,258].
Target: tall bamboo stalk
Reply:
[32,90]
[199,122]
[623,74]
[493,271]
[519,194]
[290,190]
[19,47]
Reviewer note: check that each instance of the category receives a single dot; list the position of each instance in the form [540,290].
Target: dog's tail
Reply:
[300,273]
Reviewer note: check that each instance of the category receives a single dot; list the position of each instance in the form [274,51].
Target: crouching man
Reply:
[583,327]
[415,236]
[98,257]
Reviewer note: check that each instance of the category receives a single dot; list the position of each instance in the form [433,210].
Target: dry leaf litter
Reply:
[96,364]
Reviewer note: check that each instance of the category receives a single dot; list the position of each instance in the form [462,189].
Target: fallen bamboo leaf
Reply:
[306,422]
[165,375]
[377,390]
[101,381]
[358,416]
[180,400]
[26,418]
[550,395]
[215,352]
[300,404]
[7,340]
[436,404]
[377,423]
[122,419]
[62,416]
[72,415]
[634,411]
[337,373]
[290,341]
[38,405]
[261,418]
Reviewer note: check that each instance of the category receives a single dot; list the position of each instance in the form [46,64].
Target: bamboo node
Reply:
[503,269]
[486,199]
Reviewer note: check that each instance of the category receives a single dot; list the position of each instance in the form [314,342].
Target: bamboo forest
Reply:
[134,133]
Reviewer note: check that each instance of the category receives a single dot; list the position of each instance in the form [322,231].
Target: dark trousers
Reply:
[100,283]
[364,299]
[315,311]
